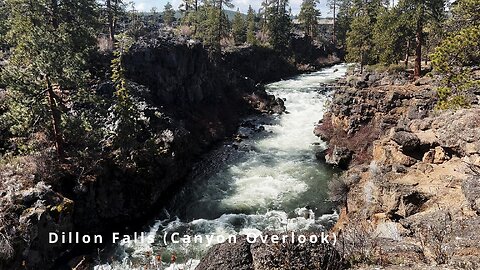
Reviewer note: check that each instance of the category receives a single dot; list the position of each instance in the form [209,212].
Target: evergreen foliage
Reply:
[251,28]
[279,24]
[308,17]
[168,14]
[343,21]
[239,28]
[47,68]
[457,55]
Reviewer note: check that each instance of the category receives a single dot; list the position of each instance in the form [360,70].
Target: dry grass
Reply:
[358,244]
[434,238]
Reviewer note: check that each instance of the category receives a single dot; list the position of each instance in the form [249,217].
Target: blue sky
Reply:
[146,5]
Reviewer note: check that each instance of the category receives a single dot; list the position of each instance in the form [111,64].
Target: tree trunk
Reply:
[219,37]
[56,118]
[334,37]
[361,62]
[407,52]
[110,22]
[418,49]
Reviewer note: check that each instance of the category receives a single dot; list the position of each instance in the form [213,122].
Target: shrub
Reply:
[358,244]
[395,68]
[434,237]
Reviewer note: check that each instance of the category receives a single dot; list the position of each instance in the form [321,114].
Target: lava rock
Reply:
[235,256]
[471,190]
[242,255]
[340,156]
[408,141]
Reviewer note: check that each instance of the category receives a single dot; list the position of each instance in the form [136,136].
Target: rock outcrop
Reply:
[266,256]
[358,116]
[418,174]
[303,55]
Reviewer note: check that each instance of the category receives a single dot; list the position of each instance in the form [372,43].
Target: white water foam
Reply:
[261,187]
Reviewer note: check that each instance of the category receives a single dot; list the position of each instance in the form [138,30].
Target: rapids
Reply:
[270,181]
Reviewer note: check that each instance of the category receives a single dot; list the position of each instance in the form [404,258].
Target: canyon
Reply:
[192,104]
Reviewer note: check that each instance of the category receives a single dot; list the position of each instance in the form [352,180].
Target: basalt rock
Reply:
[408,141]
[340,156]
[360,115]
[418,186]
[303,55]
[471,189]
[266,256]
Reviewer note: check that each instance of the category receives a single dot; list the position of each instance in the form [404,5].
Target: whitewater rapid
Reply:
[268,182]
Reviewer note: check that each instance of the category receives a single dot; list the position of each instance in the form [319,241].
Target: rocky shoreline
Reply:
[192,102]
[411,186]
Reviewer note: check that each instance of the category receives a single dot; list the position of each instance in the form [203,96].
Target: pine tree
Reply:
[359,41]
[458,54]
[213,24]
[124,108]
[308,17]
[422,12]
[222,19]
[392,35]
[51,42]
[279,24]
[113,9]
[239,29]
[168,14]
[334,4]
[343,20]
[251,26]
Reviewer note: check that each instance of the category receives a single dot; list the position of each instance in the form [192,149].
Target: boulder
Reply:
[266,256]
[429,156]
[340,156]
[235,256]
[440,155]
[423,81]
[408,141]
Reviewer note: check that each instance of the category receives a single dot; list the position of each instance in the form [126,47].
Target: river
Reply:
[270,181]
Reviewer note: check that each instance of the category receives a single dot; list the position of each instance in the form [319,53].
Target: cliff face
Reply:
[303,55]
[412,173]
[201,103]
[189,103]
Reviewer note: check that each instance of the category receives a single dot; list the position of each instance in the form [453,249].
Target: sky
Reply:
[146,5]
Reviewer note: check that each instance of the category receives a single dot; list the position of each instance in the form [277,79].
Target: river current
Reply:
[270,181]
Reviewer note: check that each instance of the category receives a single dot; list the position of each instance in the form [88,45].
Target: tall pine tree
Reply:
[239,28]
[251,26]
[168,14]
[308,17]
[421,13]
[51,41]
[458,54]
[278,24]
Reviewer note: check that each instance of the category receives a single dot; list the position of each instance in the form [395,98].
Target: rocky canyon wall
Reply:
[411,186]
